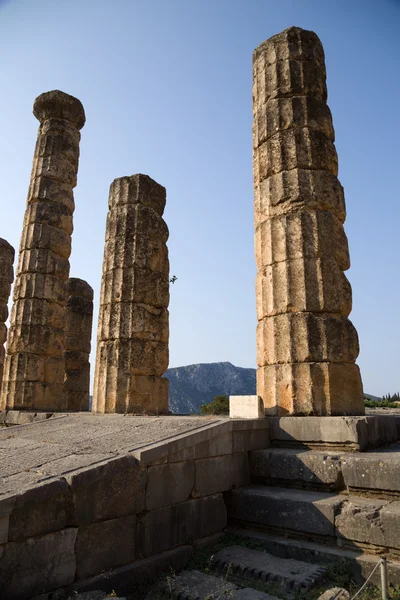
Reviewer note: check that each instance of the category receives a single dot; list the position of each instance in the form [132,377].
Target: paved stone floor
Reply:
[32,453]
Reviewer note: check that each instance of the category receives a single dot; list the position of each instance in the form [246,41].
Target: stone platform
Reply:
[83,494]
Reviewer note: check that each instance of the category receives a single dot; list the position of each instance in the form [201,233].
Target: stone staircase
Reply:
[304,511]
[324,506]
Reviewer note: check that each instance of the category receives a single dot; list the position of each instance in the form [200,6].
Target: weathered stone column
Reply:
[306,346]
[133,330]
[7,254]
[78,334]
[34,367]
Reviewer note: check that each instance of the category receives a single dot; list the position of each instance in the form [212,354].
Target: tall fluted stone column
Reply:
[7,255]
[306,345]
[133,329]
[34,366]
[78,334]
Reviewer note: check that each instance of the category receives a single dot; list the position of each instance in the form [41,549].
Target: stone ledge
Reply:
[346,433]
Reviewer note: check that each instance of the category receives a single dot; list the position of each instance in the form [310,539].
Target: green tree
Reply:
[219,406]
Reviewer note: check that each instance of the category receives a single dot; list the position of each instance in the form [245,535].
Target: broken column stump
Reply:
[306,345]
[7,254]
[34,365]
[78,334]
[133,329]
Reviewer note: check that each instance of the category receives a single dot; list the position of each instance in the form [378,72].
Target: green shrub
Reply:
[219,406]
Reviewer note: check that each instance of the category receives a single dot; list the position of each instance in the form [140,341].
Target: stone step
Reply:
[254,565]
[376,472]
[302,511]
[195,585]
[370,524]
[359,565]
[298,468]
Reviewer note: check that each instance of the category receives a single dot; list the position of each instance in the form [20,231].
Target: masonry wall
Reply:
[123,512]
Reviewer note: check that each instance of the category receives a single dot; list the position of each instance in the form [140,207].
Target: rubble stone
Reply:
[34,365]
[133,329]
[306,346]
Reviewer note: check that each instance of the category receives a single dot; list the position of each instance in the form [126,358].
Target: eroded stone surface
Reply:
[255,565]
[34,365]
[7,254]
[306,346]
[133,329]
[78,333]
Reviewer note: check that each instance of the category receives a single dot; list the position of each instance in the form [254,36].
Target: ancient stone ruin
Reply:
[78,333]
[7,255]
[92,504]
[133,329]
[34,366]
[306,345]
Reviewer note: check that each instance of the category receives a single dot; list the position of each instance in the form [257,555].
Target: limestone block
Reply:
[40,285]
[107,491]
[377,471]
[43,261]
[369,521]
[175,525]
[295,510]
[123,392]
[138,189]
[58,216]
[124,319]
[135,284]
[293,43]
[293,466]
[44,563]
[45,237]
[304,189]
[303,285]
[301,234]
[39,339]
[250,439]
[220,474]
[39,510]
[105,545]
[45,189]
[300,148]
[288,77]
[34,368]
[39,311]
[134,356]
[169,484]
[311,389]
[246,407]
[306,337]
[280,114]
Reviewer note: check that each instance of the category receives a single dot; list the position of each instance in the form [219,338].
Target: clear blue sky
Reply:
[166,85]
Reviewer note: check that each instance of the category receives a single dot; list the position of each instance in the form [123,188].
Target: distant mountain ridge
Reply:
[194,385]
